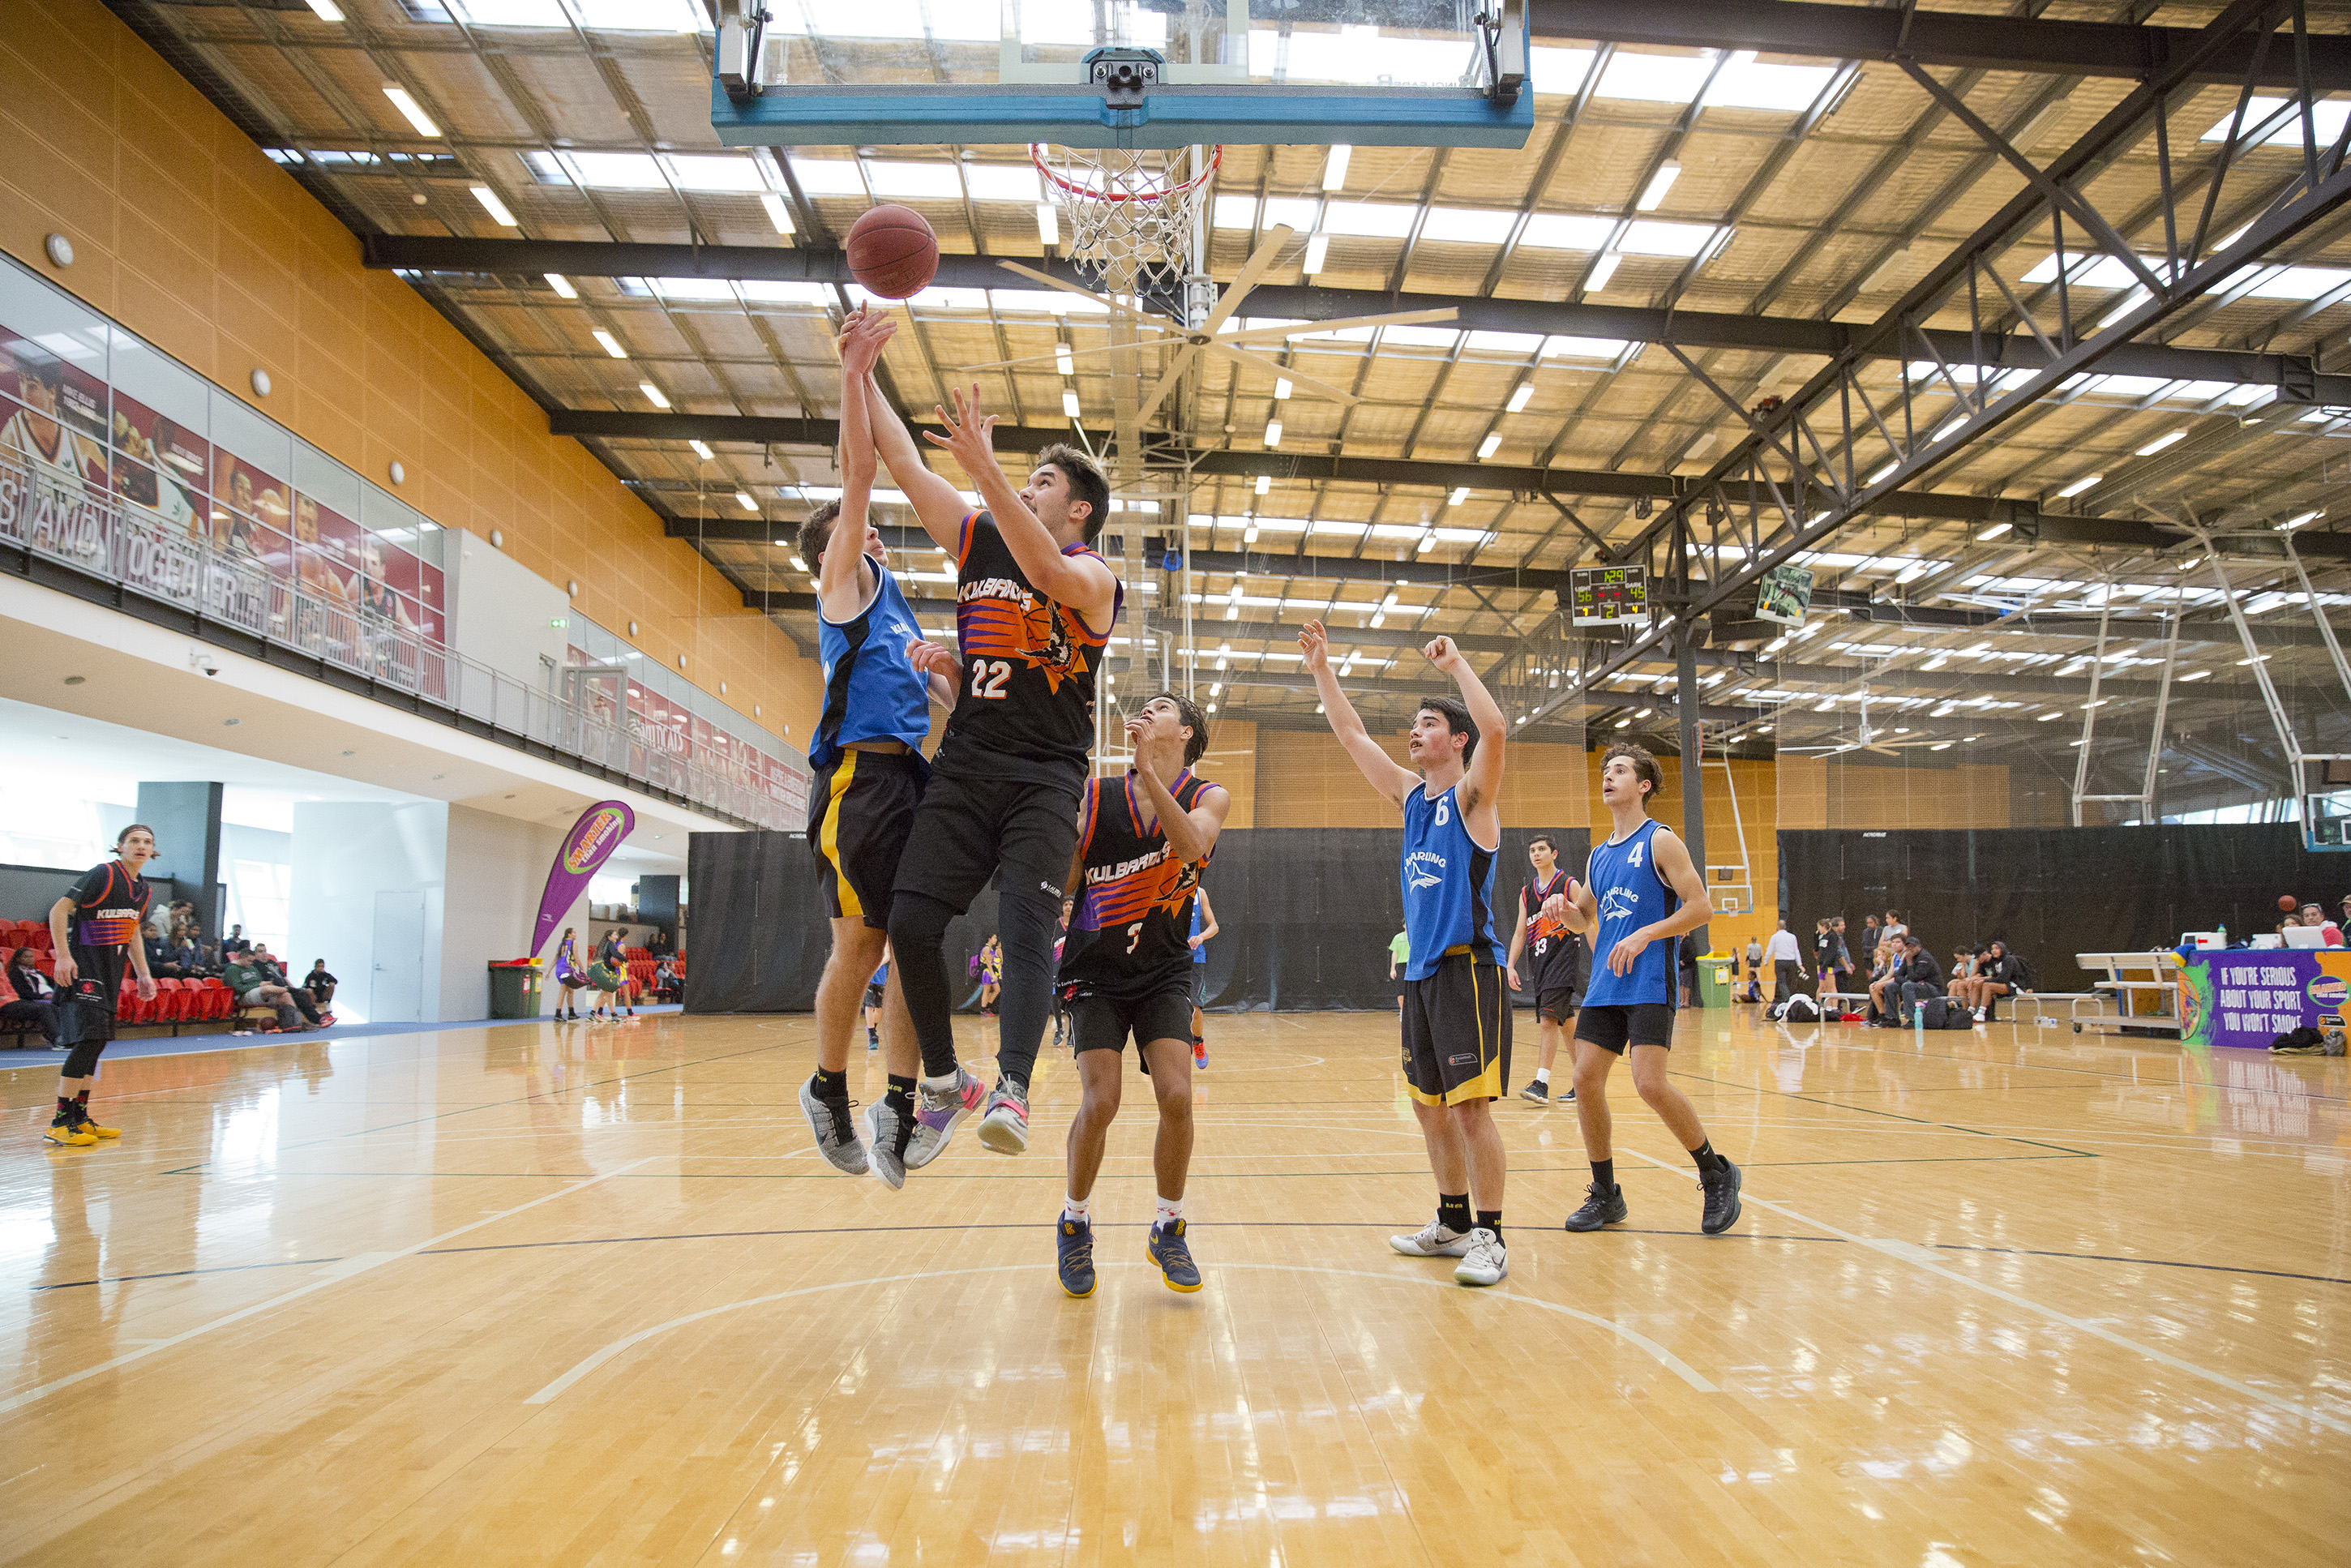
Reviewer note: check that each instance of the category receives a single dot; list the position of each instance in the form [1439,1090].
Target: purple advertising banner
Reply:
[600,830]
[2247,996]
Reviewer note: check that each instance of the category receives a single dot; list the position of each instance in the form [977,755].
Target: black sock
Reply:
[1491,1219]
[65,1106]
[1604,1174]
[901,1095]
[82,1098]
[832,1085]
[1708,1160]
[1452,1211]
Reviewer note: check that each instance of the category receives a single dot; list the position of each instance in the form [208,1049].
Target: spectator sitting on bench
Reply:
[187,954]
[320,984]
[2330,934]
[275,971]
[234,942]
[2000,973]
[251,984]
[666,986]
[1920,977]
[33,998]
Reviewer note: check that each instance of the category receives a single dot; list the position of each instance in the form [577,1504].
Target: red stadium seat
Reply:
[48,966]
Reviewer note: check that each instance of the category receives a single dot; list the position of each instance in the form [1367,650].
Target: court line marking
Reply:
[334,1273]
[1657,1352]
[1919,1257]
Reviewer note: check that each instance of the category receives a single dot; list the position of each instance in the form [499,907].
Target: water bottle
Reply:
[2222,931]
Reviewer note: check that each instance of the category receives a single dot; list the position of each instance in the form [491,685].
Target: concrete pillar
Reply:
[187,819]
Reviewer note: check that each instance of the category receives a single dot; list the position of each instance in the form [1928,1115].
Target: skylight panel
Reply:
[1357,53]
[1468,225]
[1654,236]
[1560,71]
[1299,215]
[1070,24]
[641,15]
[509,12]
[1046,302]
[2326,119]
[1653,79]
[2099,272]
[916,182]
[1419,337]
[1372,220]
[716,173]
[1747,84]
[827,177]
[612,171]
[1003,182]
[1235,213]
[1568,348]
[1566,231]
[937,299]
[1519,344]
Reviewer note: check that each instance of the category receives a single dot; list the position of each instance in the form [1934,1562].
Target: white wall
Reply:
[497,869]
[344,854]
[500,611]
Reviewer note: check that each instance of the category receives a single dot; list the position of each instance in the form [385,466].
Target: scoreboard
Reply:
[1608,595]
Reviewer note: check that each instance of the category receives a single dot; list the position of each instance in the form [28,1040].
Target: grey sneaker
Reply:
[938,1113]
[836,1133]
[1486,1262]
[1537,1091]
[889,1130]
[1004,1128]
[1435,1239]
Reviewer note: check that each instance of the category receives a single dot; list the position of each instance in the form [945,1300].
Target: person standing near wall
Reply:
[94,929]
[568,978]
[1457,1008]
[1204,925]
[1787,961]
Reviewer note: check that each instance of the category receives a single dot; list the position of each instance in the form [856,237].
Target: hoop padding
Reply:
[1131,212]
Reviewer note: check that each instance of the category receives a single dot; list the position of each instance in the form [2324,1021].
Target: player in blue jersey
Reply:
[1456,1008]
[1204,925]
[867,777]
[1641,894]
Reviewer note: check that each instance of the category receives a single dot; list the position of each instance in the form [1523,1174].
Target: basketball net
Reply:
[1132,213]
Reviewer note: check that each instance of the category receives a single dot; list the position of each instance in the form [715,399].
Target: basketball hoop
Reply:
[1132,211]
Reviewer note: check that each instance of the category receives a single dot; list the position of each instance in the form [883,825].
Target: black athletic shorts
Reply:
[1199,985]
[1556,1004]
[86,1009]
[968,829]
[872,995]
[1457,1030]
[1612,1029]
[1103,1023]
[861,811]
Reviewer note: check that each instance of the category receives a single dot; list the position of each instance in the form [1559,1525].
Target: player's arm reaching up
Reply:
[1085,583]
[1190,834]
[938,505]
[843,587]
[1672,859]
[1382,772]
[1480,793]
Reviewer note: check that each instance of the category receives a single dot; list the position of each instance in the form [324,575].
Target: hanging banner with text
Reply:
[601,829]
[2247,996]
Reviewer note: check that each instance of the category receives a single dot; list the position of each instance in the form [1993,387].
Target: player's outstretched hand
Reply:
[969,432]
[1444,654]
[1315,643]
[848,324]
[862,341]
[933,658]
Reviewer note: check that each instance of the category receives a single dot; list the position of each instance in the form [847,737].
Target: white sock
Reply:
[1169,1209]
[1077,1209]
[946,1083]
[1543,1074]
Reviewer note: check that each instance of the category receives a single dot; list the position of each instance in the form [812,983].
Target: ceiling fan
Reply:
[1865,739]
[1211,339]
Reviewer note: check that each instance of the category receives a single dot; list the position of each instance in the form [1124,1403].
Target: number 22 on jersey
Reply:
[988,677]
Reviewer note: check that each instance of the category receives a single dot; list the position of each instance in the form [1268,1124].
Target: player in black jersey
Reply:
[1143,842]
[1555,963]
[95,929]
[1034,608]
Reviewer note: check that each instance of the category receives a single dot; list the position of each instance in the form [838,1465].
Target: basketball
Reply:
[892,252]
[2286,902]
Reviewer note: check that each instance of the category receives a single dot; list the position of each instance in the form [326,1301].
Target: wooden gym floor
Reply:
[583,1295]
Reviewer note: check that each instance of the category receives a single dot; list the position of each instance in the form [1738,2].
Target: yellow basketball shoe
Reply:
[69,1135]
[89,1125]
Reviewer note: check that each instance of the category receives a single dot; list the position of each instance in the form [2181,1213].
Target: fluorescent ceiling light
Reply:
[1273,432]
[1460,494]
[1520,398]
[777,213]
[2160,442]
[2304,517]
[700,450]
[1882,473]
[1049,224]
[1602,271]
[612,344]
[2195,675]
[1063,361]
[1487,447]
[1334,167]
[654,394]
[1069,403]
[1264,483]
[1659,184]
[328,10]
[1991,533]
[495,207]
[562,286]
[409,107]
[2078,485]
[743,497]
[1281,387]
[1318,246]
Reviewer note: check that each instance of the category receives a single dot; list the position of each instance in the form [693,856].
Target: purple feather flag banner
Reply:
[601,829]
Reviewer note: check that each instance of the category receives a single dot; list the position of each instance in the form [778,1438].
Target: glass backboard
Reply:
[1122,73]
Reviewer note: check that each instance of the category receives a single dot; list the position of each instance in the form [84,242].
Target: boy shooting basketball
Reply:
[1641,894]
[1034,608]
[1143,842]
[1456,1011]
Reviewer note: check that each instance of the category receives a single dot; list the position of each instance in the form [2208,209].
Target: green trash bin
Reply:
[1716,973]
[514,989]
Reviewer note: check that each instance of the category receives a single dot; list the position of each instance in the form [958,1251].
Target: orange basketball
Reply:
[892,252]
[2286,902]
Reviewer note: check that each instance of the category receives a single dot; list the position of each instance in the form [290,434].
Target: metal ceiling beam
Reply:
[2295,377]
[1971,41]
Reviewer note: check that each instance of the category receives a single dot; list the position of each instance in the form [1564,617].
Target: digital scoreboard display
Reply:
[1608,595]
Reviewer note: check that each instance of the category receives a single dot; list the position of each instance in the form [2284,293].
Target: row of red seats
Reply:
[15,933]
[174,1002]
[642,967]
